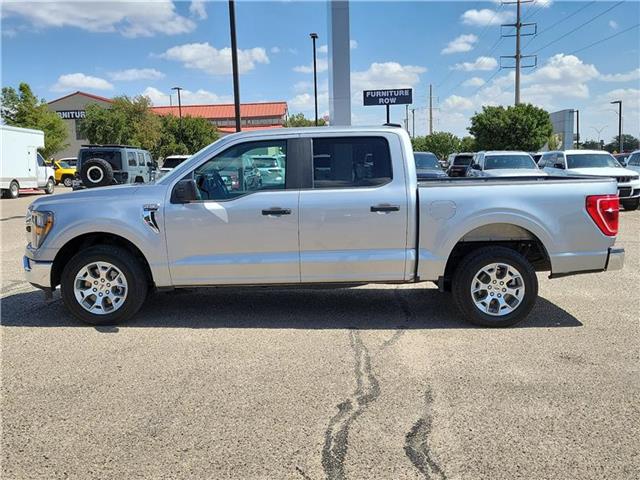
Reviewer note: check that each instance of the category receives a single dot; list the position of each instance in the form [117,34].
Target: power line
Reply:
[605,39]
[579,27]
[563,19]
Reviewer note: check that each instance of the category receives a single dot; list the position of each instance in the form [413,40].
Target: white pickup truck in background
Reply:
[21,166]
[347,211]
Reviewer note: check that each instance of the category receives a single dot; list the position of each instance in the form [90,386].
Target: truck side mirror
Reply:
[185,191]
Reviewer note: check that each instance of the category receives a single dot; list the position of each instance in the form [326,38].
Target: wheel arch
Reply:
[86,240]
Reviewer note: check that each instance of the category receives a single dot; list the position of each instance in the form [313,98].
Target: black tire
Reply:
[50,186]
[67,181]
[631,204]
[466,271]
[14,190]
[96,172]
[122,259]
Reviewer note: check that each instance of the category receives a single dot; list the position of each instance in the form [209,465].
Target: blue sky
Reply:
[113,48]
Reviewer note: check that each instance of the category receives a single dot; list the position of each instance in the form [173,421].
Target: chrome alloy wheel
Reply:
[100,288]
[497,289]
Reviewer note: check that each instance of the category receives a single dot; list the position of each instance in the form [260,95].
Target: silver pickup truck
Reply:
[347,211]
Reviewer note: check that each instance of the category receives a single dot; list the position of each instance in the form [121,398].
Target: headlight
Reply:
[39,224]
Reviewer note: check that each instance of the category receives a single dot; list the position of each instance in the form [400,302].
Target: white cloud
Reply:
[129,18]
[473,82]
[386,75]
[462,43]
[321,64]
[275,50]
[621,77]
[630,99]
[134,74]
[187,97]
[613,24]
[544,3]
[353,44]
[304,102]
[198,10]
[455,102]
[485,17]
[481,63]
[202,56]
[80,81]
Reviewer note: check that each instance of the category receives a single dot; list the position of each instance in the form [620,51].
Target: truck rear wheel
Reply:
[103,285]
[13,191]
[495,287]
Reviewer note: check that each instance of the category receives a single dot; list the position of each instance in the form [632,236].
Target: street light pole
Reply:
[599,131]
[234,63]
[578,129]
[620,141]
[179,109]
[314,37]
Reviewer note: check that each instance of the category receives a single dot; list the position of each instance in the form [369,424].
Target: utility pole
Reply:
[234,63]
[430,109]
[178,89]
[314,37]
[406,117]
[620,141]
[413,120]
[518,54]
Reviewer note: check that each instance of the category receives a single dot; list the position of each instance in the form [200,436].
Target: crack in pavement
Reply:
[337,433]
[417,447]
[400,329]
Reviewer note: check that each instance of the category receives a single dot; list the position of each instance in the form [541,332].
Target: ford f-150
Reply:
[347,211]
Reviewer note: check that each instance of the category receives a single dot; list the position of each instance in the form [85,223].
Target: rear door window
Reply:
[131,157]
[140,159]
[348,162]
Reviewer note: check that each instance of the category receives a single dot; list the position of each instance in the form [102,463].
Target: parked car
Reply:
[427,166]
[103,165]
[483,242]
[170,162]
[622,158]
[65,172]
[458,164]
[21,166]
[633,162]
[271,168]
[595,163]
[503,164]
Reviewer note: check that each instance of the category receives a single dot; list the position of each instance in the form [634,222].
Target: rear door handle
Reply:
[385,208]
[276,211]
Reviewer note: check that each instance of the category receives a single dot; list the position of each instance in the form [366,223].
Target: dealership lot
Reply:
[371,382]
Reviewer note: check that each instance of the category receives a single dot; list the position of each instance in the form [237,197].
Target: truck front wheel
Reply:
[495,287]
[103,285]
[50,186]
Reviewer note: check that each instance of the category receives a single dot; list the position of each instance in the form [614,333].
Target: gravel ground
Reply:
[371,382]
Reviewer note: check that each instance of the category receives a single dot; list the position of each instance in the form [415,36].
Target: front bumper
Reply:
[615,259]
[36,273]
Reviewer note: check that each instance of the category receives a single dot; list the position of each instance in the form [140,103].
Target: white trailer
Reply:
[21,166]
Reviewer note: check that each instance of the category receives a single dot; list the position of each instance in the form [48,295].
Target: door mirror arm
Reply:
[185,191]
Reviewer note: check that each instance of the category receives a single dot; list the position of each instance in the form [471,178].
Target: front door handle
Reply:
[276,211]
[385,208]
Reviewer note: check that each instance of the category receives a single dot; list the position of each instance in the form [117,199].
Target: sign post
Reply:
[403,96]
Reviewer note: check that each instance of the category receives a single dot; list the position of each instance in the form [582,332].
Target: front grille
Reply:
[624,192]
[626,179]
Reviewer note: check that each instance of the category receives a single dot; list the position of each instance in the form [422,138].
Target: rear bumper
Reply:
[36,273]
[615,259]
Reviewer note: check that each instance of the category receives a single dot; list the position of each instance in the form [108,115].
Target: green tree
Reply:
[591,145]
[440,143]
[194,134]
[520,127]
[299,120]
[127,121]
[629,143]
[468,144]
[22,109]
[553,143]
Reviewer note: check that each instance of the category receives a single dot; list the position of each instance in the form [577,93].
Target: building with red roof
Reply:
[254,116]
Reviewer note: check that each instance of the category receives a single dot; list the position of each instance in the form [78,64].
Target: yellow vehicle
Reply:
[65,170]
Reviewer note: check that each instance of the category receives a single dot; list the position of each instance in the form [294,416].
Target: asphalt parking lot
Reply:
[371,382]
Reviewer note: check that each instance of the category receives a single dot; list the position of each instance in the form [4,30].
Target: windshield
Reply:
[462,160]
[494,162]
[592,160]
[426,160]
[172,162]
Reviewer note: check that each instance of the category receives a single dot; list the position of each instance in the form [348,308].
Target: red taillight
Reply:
[604,210]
